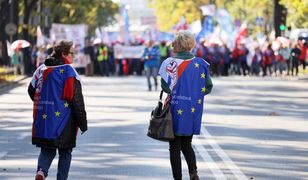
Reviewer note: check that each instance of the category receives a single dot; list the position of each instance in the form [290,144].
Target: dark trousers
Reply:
[104,68]
[294,66]
[47,155]
[303,62]
[182,143]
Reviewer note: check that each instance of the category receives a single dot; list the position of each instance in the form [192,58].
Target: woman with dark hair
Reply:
[187,79]
[58,110]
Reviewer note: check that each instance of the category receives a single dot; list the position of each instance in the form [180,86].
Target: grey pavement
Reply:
[253,128]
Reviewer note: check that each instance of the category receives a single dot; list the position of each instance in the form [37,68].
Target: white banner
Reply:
[75,33]
[121,52]
[208,10]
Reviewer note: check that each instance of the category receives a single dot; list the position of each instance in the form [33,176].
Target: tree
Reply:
[91,12]
[28,7]
[297,13]
[168,12]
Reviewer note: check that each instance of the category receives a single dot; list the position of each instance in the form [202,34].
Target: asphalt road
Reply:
[253,128]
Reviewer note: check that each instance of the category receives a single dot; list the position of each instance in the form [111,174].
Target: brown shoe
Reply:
[40,176]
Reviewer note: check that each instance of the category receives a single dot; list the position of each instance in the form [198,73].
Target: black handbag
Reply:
[160,127]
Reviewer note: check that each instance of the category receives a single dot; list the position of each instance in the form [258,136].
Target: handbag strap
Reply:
[161,95]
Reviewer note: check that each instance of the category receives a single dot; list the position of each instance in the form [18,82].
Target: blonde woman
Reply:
[187,79]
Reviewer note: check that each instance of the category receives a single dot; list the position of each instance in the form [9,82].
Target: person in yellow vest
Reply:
[164,51]
[102,59]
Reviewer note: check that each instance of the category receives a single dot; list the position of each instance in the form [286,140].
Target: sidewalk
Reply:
[4,85]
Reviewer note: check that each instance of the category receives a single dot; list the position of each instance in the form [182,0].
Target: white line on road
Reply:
[208,160]
[231,165]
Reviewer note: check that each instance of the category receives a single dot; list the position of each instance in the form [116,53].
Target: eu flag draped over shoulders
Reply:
[51,112]
[187,82]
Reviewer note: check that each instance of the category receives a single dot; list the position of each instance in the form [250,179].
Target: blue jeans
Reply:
[151,71]
[47,155]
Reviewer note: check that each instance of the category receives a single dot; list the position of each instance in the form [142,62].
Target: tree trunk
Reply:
[28,8]
[4,15]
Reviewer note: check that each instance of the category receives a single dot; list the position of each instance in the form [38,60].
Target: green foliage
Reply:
[168,12]
[91,12]
[297,12]
[94,13]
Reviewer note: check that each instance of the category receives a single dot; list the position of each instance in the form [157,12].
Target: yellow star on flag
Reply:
[199,101]
[203,89]
[192,109]
[196,65]
[57,113]
[202,75]
[61,71]
[44,116]
[180,111]
[66,104]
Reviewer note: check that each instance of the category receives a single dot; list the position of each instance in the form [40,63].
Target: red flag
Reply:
[181,25]
[242,33]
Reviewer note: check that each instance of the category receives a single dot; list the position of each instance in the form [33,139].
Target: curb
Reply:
[13,82]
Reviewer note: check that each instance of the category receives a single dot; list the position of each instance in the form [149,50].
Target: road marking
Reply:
[208,160]
[231,165]
[2,154]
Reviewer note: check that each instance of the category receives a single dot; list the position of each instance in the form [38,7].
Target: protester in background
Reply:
[151,57]
[256,60]
[17,62]
[295,53]
[58,110]
[268,59]
[218,58]
[187,79]
[89,53]
[41,56]
[243,52]
[34,52]
[102,58]
[227,58]
[285,52]
[164,51]
[302,57]
[235,62]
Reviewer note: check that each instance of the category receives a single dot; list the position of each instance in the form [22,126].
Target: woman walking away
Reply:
[58,110]
[187,79]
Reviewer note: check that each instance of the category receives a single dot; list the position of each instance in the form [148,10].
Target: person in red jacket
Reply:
[58,110]
[303,55]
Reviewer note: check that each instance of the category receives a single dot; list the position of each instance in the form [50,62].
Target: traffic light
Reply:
[283,18]
[280,18]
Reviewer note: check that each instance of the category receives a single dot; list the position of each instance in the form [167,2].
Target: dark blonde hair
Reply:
[184,40]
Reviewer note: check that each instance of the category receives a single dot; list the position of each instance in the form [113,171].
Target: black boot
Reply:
[194,176]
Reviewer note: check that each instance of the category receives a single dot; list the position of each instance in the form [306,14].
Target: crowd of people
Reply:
[266,60]
[276,58]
